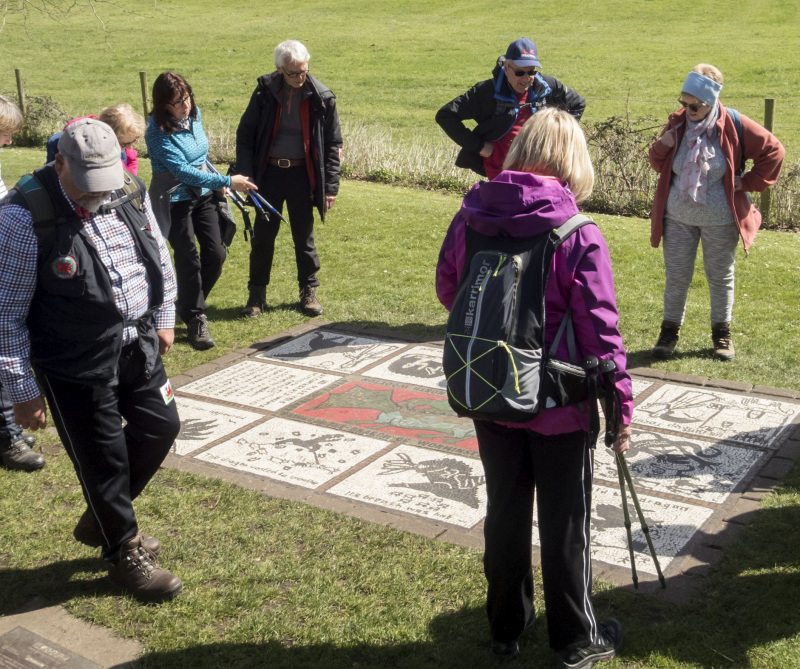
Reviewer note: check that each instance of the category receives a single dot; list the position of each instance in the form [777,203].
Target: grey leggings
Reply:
[719,255]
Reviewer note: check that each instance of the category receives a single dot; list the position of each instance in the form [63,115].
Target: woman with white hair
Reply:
[289,140]
[702,197]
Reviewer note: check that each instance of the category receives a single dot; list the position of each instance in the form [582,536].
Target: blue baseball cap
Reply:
[523,53]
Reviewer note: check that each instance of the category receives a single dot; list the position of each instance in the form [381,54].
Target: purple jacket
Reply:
[520,204]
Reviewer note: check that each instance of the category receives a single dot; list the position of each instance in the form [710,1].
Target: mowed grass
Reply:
[393,65]
[278,584]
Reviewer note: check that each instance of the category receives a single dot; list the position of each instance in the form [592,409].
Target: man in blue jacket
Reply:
[501,105]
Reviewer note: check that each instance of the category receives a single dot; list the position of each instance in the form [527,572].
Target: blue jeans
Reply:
[9,430]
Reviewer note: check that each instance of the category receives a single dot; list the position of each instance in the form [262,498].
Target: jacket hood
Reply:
[518,204]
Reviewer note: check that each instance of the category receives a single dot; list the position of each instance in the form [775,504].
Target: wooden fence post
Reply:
[143,80]
[23,105]
[769,112]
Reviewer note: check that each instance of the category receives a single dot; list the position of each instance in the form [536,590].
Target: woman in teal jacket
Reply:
[178,149]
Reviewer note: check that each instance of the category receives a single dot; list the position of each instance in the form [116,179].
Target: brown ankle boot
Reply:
[256,301]
[87,532]
[138,572]
[667,340]
[309,302]
[723,345]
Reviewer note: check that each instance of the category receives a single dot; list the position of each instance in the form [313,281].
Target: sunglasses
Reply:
[127,145]
[525,73]
[694,107]
[295,75]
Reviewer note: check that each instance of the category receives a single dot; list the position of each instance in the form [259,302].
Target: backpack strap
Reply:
[37,199]
[569,226]
[737,123]
[132,191]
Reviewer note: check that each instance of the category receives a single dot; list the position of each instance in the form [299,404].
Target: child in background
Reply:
[15,445]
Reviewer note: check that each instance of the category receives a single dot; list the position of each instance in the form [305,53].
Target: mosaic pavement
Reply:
[363,417]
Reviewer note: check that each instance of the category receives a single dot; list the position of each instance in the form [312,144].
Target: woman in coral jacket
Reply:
[546,173]
[701,197]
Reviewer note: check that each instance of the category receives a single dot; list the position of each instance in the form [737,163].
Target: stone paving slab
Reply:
[357,421]
[47,637]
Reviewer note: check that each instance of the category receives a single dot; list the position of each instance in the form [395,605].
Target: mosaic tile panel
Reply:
[680,466]
[203,423]
[393,412]
[640,386]
[672,524]
[259,384]
[332,351]
[434,485]
[753,421]
[421,365]
[296,453]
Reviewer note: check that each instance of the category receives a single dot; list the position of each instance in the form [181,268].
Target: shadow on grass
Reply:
[58,582]
[645,357]
[421,331]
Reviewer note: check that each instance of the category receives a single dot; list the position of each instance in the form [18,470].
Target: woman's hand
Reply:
[623,442]
[242,183]
[668,138]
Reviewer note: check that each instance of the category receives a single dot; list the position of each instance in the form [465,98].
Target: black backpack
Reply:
[494,358]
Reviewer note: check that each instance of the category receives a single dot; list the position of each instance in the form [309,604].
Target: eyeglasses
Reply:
[127,145]
[181,101]
[694,107]
[295,75]
[525,73]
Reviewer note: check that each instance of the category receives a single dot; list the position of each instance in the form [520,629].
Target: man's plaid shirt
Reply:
[18,273]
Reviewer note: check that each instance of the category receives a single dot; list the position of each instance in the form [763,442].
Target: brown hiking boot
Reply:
[721,336]
[18,454]
[309,302]
[139,573]
[667,340]
[256,302]
[87,532]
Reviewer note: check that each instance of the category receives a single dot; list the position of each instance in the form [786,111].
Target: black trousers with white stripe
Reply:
[115,463]
[558,468]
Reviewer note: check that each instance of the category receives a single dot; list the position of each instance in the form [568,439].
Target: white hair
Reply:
[291,51]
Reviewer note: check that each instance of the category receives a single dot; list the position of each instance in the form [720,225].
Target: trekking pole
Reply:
[612,408]
[627,515]
[239,202]
[623,465]
[261,202]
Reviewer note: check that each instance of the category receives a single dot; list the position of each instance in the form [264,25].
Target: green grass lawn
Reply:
[279,584]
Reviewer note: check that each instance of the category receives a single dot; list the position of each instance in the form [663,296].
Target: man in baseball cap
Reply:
[90,165]
[501,105]
[86,309]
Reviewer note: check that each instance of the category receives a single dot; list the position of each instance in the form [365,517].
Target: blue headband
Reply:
[704,89]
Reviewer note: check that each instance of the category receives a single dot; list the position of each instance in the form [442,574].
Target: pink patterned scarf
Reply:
[700,140]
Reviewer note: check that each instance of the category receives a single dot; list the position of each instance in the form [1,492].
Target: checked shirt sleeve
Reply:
[18,249]
[165,316]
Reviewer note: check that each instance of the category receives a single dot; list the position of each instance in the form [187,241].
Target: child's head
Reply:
[126,123]
[11,120]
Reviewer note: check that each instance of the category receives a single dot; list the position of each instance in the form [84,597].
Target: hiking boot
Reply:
[87,532]
[17,454]
[607,645]
[309,302]
[199,336]
[256,302]
[667,340]
[721,336]
[509,649]
[138,572]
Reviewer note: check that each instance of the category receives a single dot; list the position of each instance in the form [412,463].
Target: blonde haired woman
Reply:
[702,197]
[128,126]
[546,173]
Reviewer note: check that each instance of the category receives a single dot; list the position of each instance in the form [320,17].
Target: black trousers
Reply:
[195,273]
[288,185]
[114,464]
[558,468]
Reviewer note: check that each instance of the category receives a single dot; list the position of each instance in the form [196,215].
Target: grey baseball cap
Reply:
[94,155]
